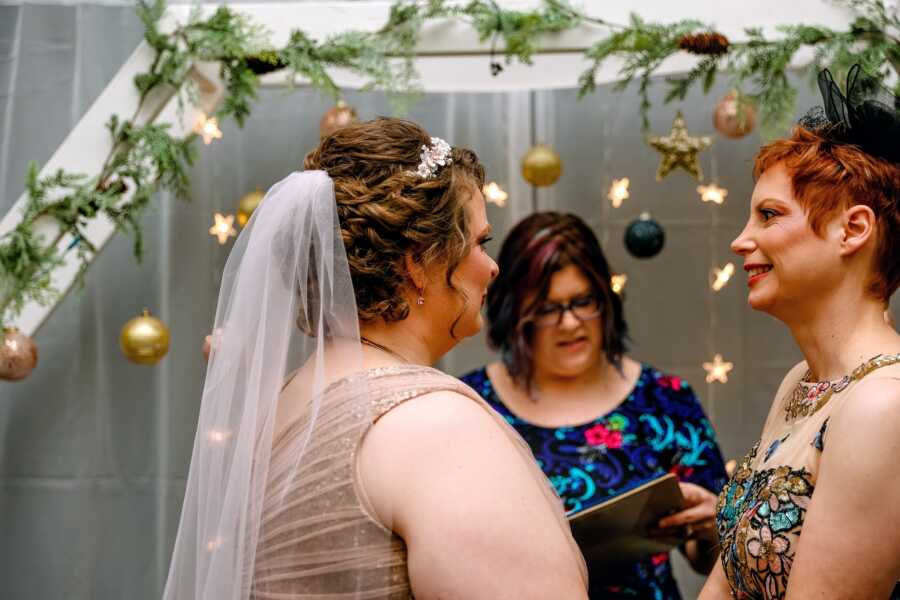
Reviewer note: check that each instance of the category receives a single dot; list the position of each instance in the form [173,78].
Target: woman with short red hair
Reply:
[822,252]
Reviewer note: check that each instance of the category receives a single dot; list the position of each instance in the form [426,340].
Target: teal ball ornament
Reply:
[644,237]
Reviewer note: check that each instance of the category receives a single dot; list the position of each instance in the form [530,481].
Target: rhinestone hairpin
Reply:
[433,157]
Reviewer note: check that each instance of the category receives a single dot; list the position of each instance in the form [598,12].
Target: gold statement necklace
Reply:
[808,397]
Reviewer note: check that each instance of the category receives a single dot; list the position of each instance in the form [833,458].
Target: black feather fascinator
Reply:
[868,116]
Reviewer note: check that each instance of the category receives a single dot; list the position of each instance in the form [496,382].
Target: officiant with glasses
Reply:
[598,422]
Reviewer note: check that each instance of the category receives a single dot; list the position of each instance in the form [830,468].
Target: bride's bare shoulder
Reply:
[437,439]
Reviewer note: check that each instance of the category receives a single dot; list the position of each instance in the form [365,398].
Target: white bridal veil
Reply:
[286,303]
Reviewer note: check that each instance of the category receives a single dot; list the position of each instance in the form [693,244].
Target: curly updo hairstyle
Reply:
[387,210]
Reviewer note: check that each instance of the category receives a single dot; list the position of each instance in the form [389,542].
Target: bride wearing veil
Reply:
[331,461]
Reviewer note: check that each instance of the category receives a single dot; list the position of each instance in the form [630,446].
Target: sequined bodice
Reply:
[317,539]
[760,511]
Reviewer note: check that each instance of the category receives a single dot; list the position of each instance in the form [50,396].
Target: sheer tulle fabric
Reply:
[287,267]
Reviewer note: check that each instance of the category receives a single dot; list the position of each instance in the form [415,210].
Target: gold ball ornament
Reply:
[734,116]
[248,204]
[339,115]
[18,355]
[541,166]
[145,339]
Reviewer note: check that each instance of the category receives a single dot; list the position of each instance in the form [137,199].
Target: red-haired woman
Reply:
[822,252]
[598,422]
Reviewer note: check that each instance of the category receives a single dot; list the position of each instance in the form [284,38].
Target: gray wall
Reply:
[94,450]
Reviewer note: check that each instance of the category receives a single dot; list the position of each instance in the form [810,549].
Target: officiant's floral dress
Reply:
[659,428]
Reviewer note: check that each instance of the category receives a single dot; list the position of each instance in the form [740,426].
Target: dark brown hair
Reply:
[538,247]
[828,177]
[387,210]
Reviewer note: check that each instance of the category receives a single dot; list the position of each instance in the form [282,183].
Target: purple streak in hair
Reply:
[542,257]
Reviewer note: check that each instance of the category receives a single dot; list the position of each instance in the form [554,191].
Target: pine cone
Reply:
[265,62]
[704,43]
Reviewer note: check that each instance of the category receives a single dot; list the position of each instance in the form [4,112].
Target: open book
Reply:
[617,531]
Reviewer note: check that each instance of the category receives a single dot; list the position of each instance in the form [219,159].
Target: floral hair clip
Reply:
[433,157]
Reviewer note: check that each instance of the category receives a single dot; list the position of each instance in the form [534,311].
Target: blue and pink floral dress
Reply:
[659,428]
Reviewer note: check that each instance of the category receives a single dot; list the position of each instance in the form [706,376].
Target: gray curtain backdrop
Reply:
[94,450]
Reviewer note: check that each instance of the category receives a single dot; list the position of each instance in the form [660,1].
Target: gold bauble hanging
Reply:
[679,149]
[339,115]
[734,116]
[541,166]
[18,355]
[247,205]
[145,339]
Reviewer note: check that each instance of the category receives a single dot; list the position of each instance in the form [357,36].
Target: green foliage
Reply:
[145,158]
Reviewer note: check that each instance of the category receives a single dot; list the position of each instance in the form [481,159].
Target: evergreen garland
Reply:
[146,158]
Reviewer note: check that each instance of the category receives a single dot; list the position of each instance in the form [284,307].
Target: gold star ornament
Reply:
[717,370]
[679,150]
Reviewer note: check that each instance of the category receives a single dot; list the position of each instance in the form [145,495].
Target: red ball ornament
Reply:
[339,115]
[734,116]
[18,355]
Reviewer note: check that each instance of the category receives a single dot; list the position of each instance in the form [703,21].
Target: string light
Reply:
[618,191]
[717,370]
[223,228]
[207,128]
[213,544]
[494,194]
[617,282]
[722,276]
[712,193]
[731,467]
[218,436]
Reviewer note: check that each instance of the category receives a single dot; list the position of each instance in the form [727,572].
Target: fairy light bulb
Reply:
[207,128]
[717,370]
[223,228]
[722,276]
[494,194]
[618,191]
[712,193]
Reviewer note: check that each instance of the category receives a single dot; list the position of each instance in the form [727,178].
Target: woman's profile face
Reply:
[788,265]
[567,339]
[471,277]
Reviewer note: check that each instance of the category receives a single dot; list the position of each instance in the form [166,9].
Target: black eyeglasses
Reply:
[584,308]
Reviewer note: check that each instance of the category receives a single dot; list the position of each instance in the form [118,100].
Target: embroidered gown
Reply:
[660,427]
[761,509]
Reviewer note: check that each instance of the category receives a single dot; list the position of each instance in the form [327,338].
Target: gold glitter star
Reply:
[679,149]
[717,370]
[223,227]
[712,193]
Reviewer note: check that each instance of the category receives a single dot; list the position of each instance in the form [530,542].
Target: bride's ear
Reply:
[416,272]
